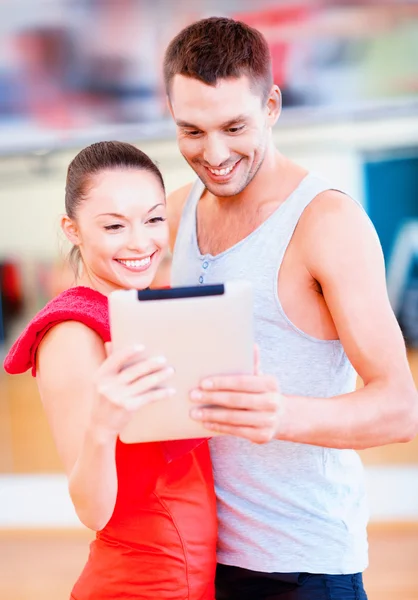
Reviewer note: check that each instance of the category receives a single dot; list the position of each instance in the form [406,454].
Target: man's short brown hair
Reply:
[219,48]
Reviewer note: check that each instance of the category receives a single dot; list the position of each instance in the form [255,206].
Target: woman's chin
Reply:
[140,282]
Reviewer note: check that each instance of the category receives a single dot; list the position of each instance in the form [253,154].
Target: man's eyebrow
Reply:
[234,121]
[225,125]
[181,123]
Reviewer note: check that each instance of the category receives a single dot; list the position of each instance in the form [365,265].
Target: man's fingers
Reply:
[243,401]
[225,416]
[258,436]
[240,383]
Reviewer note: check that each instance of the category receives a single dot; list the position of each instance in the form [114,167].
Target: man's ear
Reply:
[274,105]
[169,105]
[70,230]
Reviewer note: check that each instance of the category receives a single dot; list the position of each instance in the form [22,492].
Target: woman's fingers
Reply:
[120,359]
[136,402]
[129,379]
[151,381]
[142,368]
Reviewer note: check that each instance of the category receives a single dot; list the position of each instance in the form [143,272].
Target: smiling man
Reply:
[291,500]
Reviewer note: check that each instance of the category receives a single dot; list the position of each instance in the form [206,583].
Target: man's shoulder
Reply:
[332,208]
[334,224]
[176,201]
[179,196]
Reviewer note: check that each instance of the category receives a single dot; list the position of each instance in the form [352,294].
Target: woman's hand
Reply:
[125,381]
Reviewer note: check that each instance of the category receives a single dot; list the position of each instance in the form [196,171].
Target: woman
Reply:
[153,504]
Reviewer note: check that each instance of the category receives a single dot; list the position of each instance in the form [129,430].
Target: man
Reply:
[291,501]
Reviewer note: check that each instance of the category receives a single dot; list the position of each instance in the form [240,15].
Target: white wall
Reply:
[31,202]
[43,500]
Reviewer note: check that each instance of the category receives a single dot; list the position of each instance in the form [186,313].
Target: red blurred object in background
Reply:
[279,27]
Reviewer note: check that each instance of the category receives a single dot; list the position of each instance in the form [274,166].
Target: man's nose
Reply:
[215,152]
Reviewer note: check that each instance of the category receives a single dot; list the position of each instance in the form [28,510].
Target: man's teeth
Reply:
[136,263]
[222,171]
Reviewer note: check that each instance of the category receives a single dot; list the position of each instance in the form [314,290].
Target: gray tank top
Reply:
[282,506]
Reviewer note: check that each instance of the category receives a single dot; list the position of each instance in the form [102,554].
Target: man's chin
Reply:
[223,190]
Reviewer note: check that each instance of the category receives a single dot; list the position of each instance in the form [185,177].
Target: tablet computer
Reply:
[202,331]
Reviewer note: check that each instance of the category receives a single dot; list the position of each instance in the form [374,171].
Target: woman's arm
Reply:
[88,399]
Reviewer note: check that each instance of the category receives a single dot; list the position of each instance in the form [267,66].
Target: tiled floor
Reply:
[39,566]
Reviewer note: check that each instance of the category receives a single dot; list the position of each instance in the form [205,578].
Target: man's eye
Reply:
[236,129]
[193,133]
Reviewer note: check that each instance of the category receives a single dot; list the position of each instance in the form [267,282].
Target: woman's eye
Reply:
[114,227]
[157,220]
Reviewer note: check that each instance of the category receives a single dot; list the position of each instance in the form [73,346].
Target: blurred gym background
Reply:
[77,71]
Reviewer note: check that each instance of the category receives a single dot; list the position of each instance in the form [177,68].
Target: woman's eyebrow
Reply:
[119,216]
[156,206]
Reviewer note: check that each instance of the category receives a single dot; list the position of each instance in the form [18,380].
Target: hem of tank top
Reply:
[300,568]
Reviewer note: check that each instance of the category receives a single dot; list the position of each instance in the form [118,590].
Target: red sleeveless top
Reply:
[160,541]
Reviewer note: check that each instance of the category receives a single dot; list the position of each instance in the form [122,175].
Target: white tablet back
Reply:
[199,336]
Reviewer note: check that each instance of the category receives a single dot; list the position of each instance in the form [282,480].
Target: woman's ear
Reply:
[70,230]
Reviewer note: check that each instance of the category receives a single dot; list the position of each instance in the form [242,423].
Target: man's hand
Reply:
[246,406]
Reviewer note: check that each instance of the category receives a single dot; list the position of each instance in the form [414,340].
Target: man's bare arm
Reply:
[343,254]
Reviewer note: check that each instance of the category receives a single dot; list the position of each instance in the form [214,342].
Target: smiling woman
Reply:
[116,216]
[152,504]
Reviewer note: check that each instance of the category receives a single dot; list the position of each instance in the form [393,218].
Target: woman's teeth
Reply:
[135,264]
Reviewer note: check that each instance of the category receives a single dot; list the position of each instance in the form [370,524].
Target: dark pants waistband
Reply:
[234,583]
